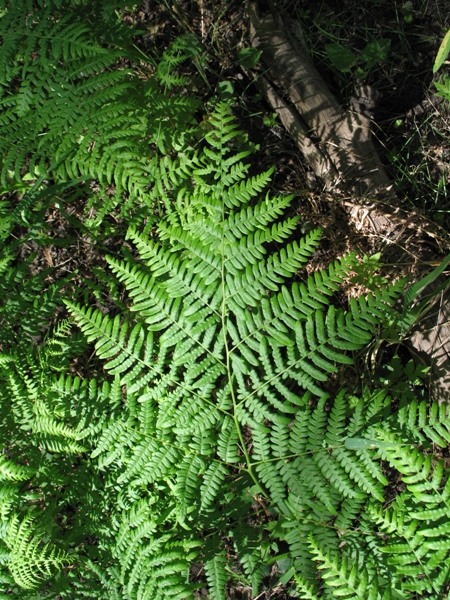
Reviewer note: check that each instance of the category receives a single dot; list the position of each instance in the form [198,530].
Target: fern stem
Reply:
[249,468]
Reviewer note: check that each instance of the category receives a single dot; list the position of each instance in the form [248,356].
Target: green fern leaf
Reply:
[188,482]
[216,575]
[30,560]
[346,580]
[213,479]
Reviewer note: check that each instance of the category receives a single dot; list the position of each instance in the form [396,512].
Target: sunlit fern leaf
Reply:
[224,360]
[335,473]
[188,481]
[227,443]
[344,578]
[416,547]
[242,192]
[216,575]
[150,461]
[31,561]
[113,442]
[131,546]
[269,476]
[426,421]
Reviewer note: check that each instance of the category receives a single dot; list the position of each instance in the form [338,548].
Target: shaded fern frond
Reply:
[71,110]
[216,575]
[346,580]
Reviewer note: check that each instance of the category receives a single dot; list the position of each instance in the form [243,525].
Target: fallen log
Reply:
[344,156]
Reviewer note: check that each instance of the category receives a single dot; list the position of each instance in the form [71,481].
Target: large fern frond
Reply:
[224,359]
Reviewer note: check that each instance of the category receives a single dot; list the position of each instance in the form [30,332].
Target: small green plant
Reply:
[344,59]
[443,86]
[443,52]
[366,273]
[31,561]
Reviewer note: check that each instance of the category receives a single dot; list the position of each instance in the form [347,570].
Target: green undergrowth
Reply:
[80,103]
[176,424]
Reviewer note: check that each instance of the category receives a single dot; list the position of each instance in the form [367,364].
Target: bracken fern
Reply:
[73,108]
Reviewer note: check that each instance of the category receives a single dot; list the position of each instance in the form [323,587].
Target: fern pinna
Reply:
[224,360]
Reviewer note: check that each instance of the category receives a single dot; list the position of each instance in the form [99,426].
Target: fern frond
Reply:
[150,462]
[268,475]
[212,483]
[127,352]
[111,442]
[346,580]
[9,471]
[306,589]
[221,380]
[216,575]
[188,482]
[227,443]
[70,99]
[31,561]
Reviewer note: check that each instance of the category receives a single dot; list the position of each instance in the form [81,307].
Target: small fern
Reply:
[31,561]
